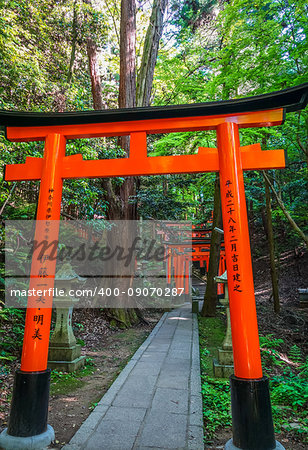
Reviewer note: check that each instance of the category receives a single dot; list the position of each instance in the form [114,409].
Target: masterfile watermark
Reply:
[140,248]
[97,263]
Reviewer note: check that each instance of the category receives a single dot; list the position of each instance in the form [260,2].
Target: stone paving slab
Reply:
[171,401]
[163,430]
[155,403]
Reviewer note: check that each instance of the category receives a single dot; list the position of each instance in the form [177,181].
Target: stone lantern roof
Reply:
[66,273]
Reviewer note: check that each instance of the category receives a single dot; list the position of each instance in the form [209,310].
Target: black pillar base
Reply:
[252,421]
[29,407]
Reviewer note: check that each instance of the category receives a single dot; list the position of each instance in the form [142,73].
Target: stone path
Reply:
[155,403]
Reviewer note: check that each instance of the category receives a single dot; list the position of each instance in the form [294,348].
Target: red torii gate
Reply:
[180,254]
[251,413]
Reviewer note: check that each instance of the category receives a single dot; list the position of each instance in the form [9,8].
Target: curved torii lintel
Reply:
[291,99]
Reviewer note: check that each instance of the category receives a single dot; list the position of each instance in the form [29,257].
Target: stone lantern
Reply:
[64,353]
[223,368]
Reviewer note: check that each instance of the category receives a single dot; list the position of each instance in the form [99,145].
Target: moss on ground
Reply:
[66,386]
[211,335]
[64,383]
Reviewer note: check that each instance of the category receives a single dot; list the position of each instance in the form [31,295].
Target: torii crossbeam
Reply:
[250,397]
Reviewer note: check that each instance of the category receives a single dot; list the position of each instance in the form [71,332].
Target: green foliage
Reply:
[93,405]
[6,357]
[270,342]
[304,369]
[11,333]
[180,143]
[278,30]
[244,49]
[79,326]
[289,390]
[62,382]
[190,13]
[288,378]
[154,202]
[289,397]
[269,350]
[215,392]
[295,354]
[216,405]
[285,418]
[57,375]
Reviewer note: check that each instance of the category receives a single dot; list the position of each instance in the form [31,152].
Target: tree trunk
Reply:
[127,90]
[210,296]
[98,104]
[120,206]
[126,210]
[150,51]
[127,95]
[271,246]
[292,222]
[94,74]
[118,199]
[264,220]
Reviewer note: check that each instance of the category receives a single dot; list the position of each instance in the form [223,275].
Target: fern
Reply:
[295,354]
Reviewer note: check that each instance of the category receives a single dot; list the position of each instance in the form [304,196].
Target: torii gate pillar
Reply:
[251,408]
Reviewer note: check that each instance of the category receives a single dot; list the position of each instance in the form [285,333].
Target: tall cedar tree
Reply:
[120,207]
[210,296]
[271,248]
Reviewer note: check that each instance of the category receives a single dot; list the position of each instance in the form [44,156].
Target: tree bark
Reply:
[120,206]
[264,220]
[127,95]
[210,296]
[124,209]
[127,89]
[271,247]
[117,198]
[95,76]
[98,104]
[150,51]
